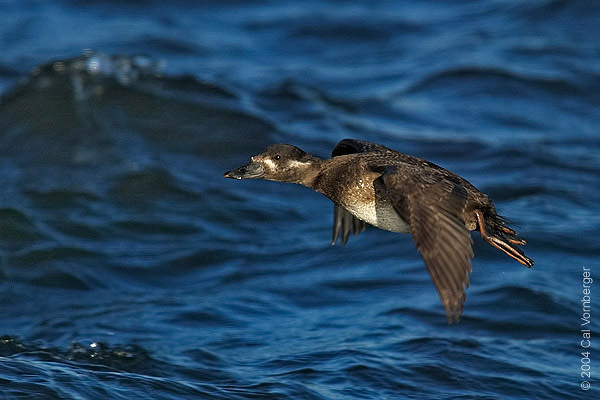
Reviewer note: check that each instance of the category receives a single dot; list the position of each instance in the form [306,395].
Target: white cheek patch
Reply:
[296,164]
[269,163]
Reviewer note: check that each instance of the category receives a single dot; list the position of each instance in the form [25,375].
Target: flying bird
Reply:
[372,184]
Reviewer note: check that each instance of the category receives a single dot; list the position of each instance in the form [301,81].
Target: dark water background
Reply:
[129,269]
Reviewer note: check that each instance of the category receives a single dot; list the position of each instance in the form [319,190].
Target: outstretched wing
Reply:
[433,207]
[343,221]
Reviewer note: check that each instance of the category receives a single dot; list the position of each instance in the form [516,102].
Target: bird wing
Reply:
[433,207]
[343,221]
[351,146]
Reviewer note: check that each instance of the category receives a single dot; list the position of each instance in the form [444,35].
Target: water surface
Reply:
[130,269]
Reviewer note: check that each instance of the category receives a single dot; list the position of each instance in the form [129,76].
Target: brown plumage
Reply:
[370,183]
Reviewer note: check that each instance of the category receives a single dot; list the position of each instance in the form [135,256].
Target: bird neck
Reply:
[310,171]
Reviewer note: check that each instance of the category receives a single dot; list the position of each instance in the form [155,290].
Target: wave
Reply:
[95,108]
[499,77]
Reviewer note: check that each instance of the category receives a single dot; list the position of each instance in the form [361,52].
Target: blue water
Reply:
[130,269]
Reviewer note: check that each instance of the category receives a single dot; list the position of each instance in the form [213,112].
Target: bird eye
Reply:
[277,157]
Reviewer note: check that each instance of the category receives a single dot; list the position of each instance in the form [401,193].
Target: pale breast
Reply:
[348,182]
[380,214]
[368,202]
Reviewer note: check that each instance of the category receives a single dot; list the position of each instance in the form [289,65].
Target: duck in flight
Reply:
[373,184]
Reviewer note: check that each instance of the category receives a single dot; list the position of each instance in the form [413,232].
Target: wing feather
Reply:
[433,207]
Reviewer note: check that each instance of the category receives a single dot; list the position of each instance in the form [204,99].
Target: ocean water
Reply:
[130,269]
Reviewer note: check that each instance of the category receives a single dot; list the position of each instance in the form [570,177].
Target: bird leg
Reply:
[509,231]
[506,229]
[501,244]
